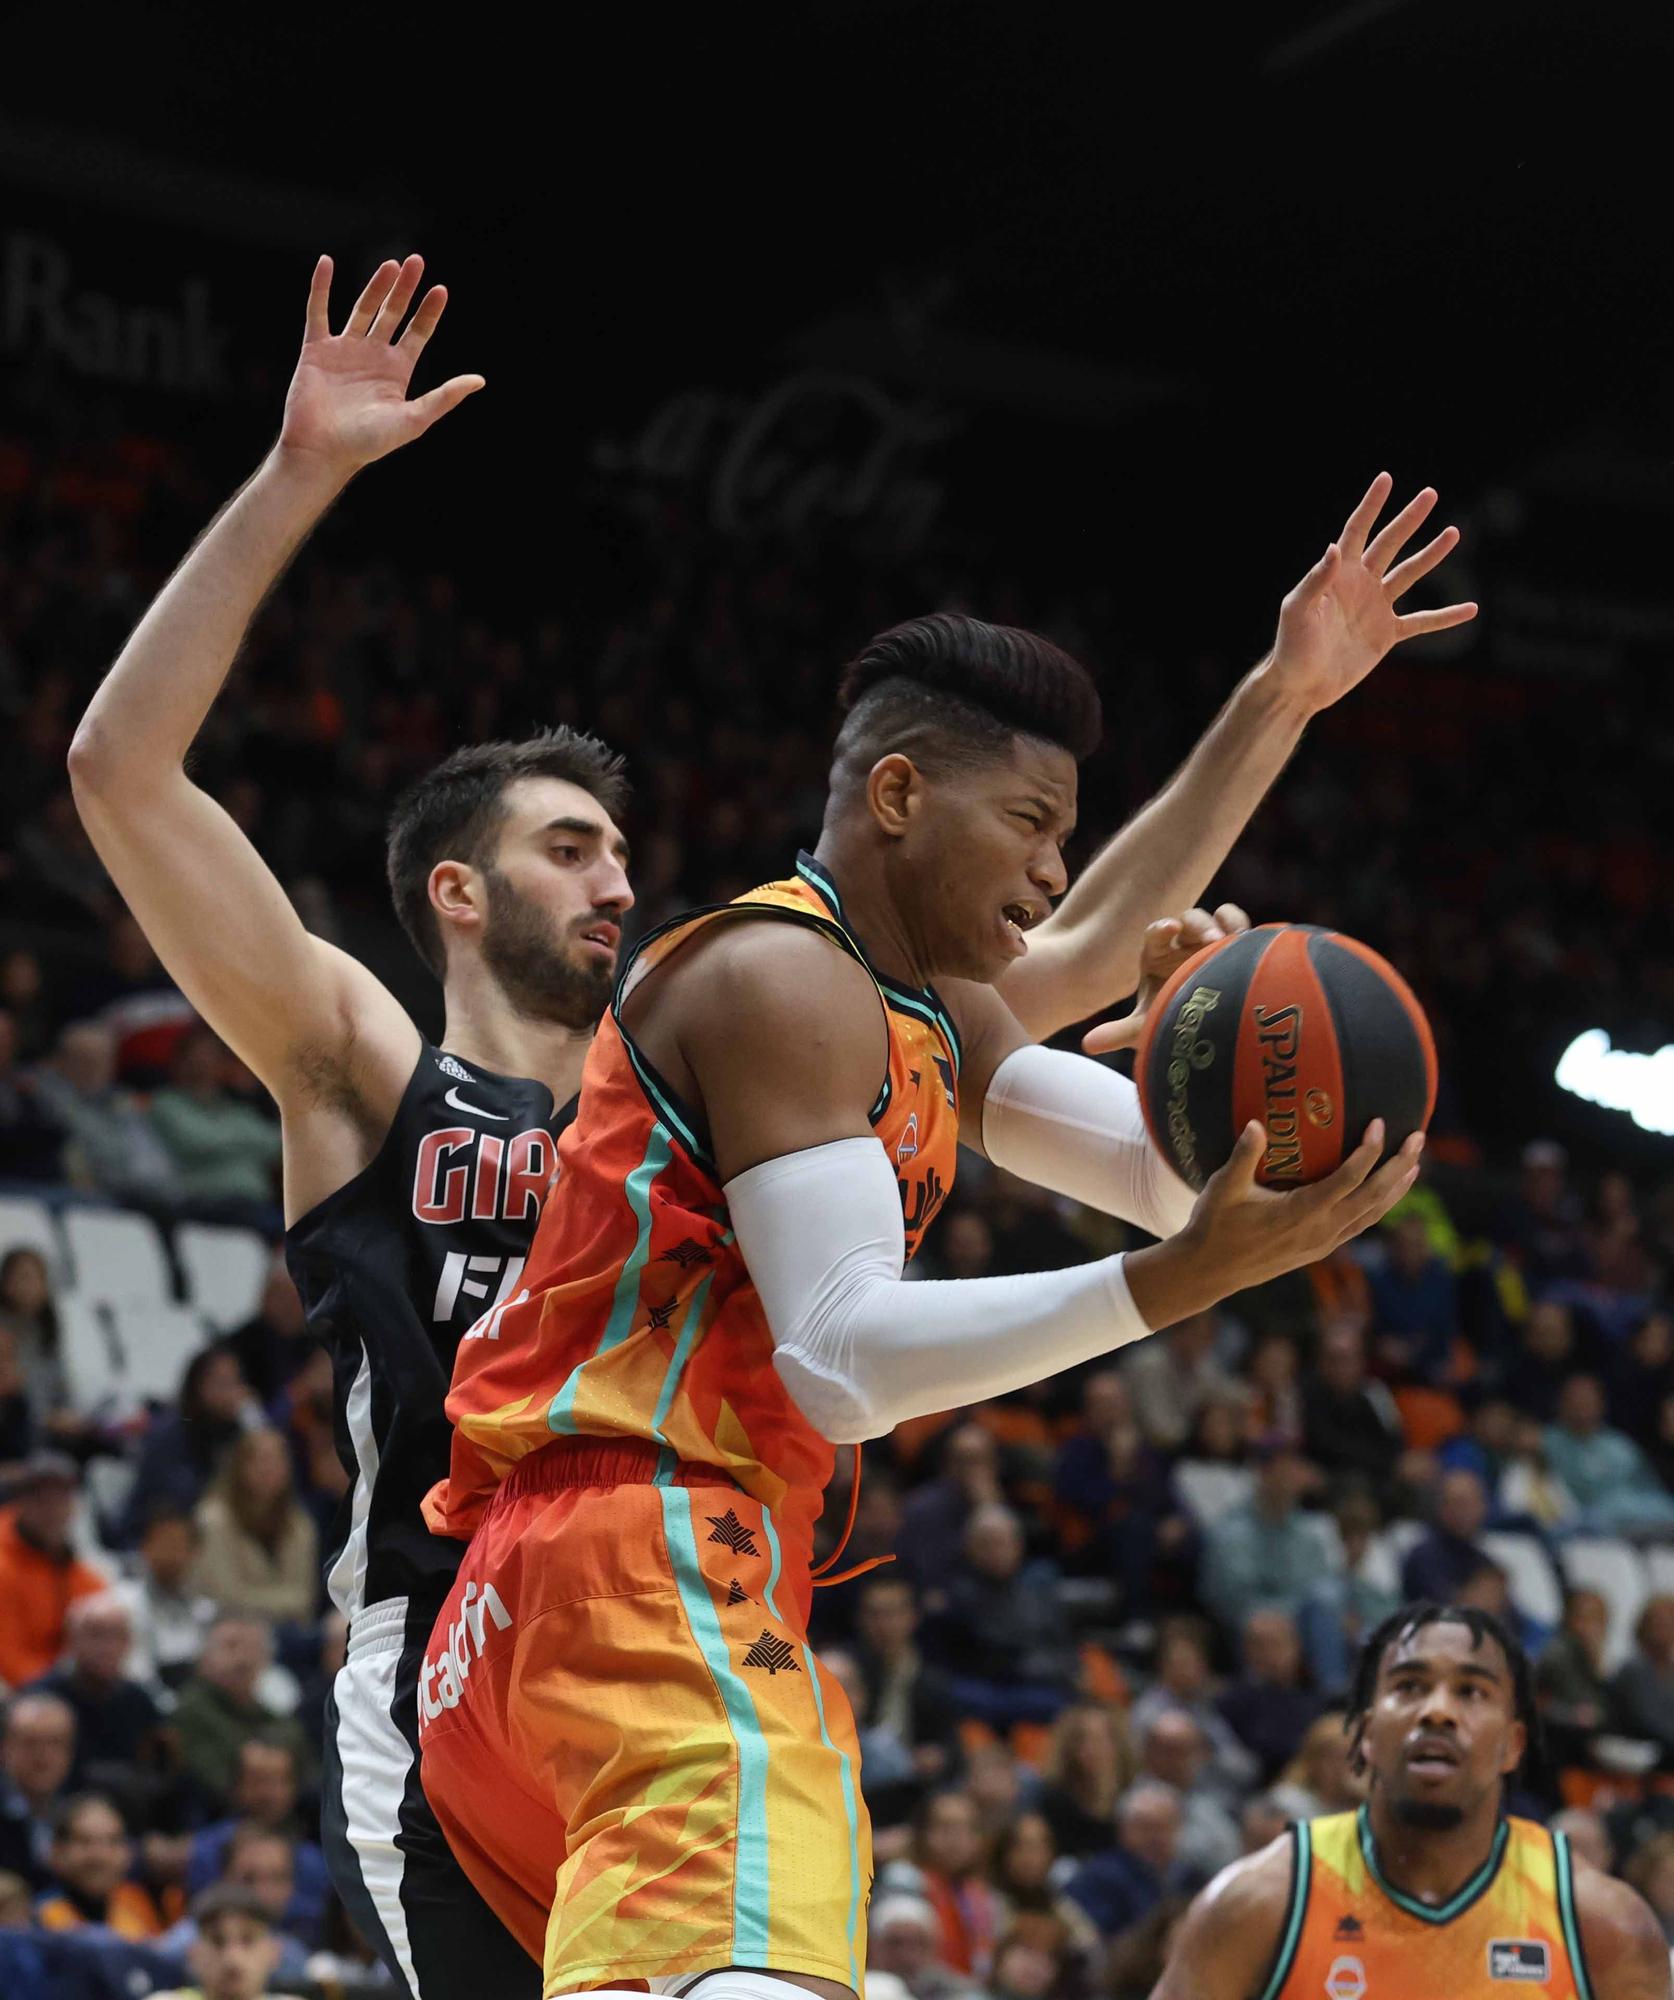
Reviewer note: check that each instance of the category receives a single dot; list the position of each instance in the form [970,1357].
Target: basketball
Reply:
[1309,1031]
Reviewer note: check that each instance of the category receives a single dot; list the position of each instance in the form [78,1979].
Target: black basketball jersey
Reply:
[392,1269]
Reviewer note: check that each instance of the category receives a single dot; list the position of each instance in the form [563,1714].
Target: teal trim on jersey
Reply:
[1301,1879]
[692,1324]
[560,1415]
[814,874]
[663,1102]
[1566,1913]
[1442,1913]
[851,1811]
[752,1880]
[775,1563]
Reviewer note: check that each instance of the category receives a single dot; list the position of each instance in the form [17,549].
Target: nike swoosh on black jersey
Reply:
[458,1103]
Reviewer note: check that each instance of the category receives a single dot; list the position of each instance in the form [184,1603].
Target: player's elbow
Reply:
[89,760]
[833,1404]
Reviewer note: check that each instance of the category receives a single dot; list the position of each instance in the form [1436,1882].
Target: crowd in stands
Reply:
[1112,1649]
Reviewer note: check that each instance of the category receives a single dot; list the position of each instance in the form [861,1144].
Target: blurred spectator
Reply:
[41,1576]
[1321,1777]
[134,998]
[31,1136]
[235,1951]
[116,1148]
[1026,1967]
[933,1521]
[88,1864]
[24,997]
[261,1864]
[1570,1683]
[1211,1472]
[1551,1351]
[1641,1376]
[1126,1882]
[1415,1306]
[1172,1377]
[1174,1751]
[1268,1705]
[1350,1424]
[168,1616]
[1117,1513]
[1532,1496]
[901,1941]
[184,1447]
[1643,1689]
[1264,1818]
[218,1710]
[1184,1685]
[258,1549]
[1140,1954]
[1488,1588]
[902,1694]
[1003,1634]
[1086,1769]
[117,1722]
[29,1332]
[223,1150]
[949,1871]
[266,1797]
[1438,1565]
[37,1753]
[1486,1449]
[1651,1872]
[64,876]
[1361,1591]
[1273,1415]
[1266,1551]
[1609,1475]
[1025,1873]
[1543,1229]
[273,1343]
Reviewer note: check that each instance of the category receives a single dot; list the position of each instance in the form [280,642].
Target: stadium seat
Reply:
[1535,1589]
[28,1225]
[224,1271]
[91,1355]
[155,1343]
[118,1257]
[1210,1490]
[1617,1572]
[1659,1560]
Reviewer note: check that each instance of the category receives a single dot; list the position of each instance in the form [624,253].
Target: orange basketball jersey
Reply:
[637,1317]
[1510,1930]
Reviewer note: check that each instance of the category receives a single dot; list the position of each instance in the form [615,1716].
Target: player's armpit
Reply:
[1227,1942]
[781,1034]
[305,1017]
[1626,1952]
[988,1032]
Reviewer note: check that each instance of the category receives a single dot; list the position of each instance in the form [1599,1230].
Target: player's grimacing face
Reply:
[557,890]
[1442,1732]
[986,856]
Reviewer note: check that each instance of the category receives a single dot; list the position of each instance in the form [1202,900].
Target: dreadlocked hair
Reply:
[1411,1618]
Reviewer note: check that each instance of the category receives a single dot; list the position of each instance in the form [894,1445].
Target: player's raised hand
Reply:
[348,401]
[1169,942]
[1341,619]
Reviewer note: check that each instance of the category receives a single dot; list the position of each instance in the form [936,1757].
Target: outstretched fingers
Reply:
[424,322]
[1416,623]
[396,301]
[1377,1196]
[427,409]
[1359,524]
[366,306]
[1404,575]
[317,324]
[1394,534]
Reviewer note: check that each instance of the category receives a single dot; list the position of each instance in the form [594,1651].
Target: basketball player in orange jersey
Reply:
[414,1172]
[1428,1889]
[627,1738]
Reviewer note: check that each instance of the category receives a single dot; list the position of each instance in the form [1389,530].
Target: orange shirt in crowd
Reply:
[37,1591]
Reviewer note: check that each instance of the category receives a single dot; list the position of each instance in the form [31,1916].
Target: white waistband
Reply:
[379,1628]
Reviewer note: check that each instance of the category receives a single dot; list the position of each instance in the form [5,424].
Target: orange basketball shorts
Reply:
[626,1736]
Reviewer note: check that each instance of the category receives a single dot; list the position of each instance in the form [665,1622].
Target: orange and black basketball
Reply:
[1307,1030]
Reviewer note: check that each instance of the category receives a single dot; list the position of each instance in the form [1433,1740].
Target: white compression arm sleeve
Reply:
[858,1347]
[1067,1123]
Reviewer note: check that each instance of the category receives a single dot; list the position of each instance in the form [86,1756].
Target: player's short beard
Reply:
[1428,1815]
[530,966]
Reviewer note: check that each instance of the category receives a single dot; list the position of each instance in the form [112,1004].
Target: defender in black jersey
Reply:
[414,1174]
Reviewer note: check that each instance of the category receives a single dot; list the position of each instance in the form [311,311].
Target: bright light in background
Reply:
[1620,1080]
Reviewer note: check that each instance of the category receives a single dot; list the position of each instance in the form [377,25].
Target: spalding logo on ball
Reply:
[1309,1031]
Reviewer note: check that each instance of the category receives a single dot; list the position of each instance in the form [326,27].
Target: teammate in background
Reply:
[414,1172]
[620,1696]
[1429,1888]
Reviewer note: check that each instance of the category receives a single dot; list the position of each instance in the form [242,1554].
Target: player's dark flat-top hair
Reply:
[953,690]
[1412,1619]
[454,812]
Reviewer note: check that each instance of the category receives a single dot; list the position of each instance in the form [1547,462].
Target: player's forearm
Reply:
[1086,955]
[141,723]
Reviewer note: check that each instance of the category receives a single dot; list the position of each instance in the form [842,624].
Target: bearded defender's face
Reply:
[555,894]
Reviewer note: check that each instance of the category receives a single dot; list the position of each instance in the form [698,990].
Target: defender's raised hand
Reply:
[1169,942]
[1341,619]
[348,402]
